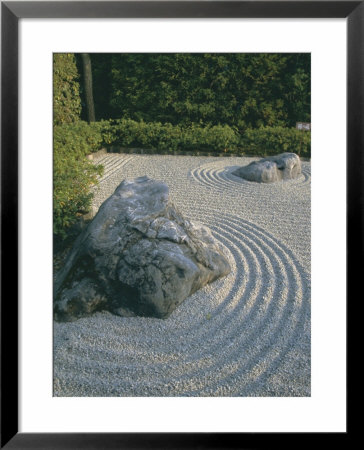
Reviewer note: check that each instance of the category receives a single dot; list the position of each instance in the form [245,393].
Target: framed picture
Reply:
[38,408]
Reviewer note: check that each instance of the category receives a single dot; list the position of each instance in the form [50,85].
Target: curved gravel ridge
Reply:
[217,174]
[268,312]
[247,334]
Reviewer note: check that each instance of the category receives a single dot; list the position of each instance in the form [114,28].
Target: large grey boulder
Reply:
[285,166]
[138,256]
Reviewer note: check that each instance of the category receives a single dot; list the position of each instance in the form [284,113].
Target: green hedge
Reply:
[219,138]
[274,140]
[158,136]
[73,174]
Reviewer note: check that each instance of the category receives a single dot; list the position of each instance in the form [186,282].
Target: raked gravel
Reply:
[247,334]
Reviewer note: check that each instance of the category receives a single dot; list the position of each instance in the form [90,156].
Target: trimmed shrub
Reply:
[73,174]
[80,137]
[218,138]
[154,135]
[263,141]
[268,141]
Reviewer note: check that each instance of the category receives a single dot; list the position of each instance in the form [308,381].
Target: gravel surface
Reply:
[247,334]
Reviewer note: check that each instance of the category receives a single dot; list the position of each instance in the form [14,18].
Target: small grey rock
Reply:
[284,166]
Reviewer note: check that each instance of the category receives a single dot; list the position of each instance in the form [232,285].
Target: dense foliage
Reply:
[236,89]
[155,135]
[73,174]
[128,133]
[66,89]
[274,140]
[73,139]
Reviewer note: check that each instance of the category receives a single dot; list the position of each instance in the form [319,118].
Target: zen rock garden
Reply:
[181,268]
[284,166]
[138,257]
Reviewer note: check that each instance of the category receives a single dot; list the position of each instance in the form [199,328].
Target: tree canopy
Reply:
[246,90]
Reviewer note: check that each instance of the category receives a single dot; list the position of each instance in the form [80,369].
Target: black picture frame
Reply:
[11,12]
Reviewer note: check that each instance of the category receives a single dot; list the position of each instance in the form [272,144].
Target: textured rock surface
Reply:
[138,256]
[285,166]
